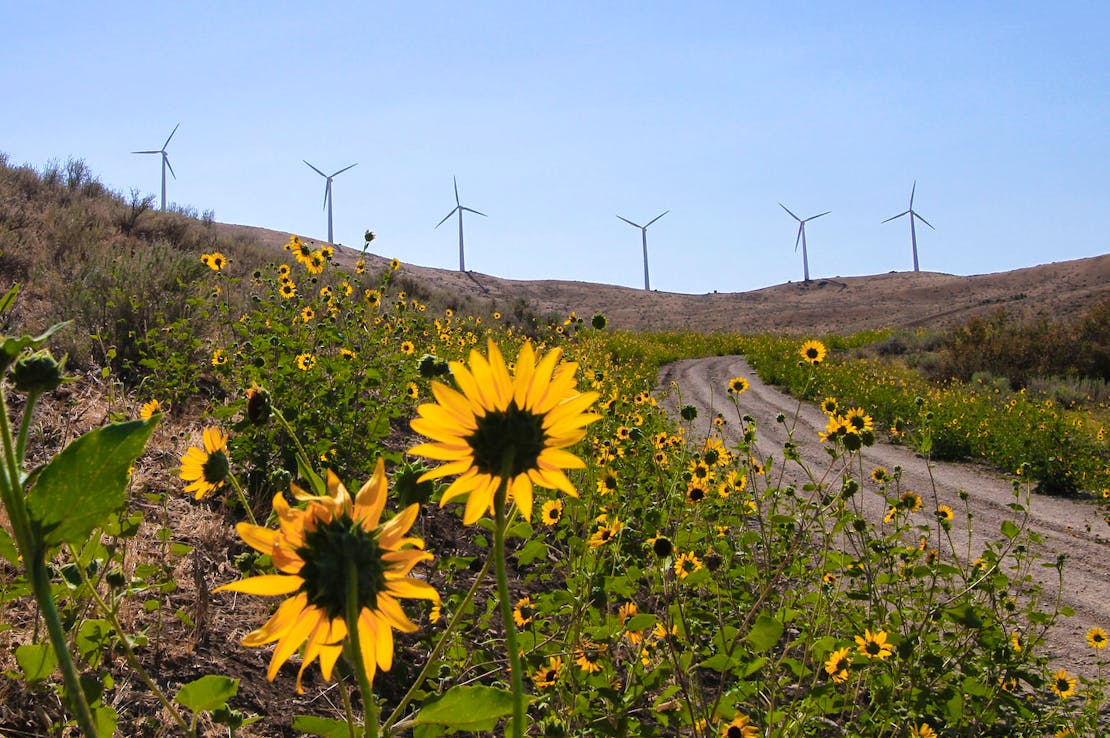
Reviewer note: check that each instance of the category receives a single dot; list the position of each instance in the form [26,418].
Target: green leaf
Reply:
[1010,529]
[470,708]
[765,633]
[13,346]
[94,637]
[641,621]
[36,660]
[534,549]
[105,717]
[8,299]
[324,727]
[86,482]
[210,692]
[7,548]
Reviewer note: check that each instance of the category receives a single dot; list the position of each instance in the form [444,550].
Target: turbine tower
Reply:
[802,236]
[459,208]
[327,191]
[165,162]
[643,233]
[913,231]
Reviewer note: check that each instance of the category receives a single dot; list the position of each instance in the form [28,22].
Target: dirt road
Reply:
[1073,528]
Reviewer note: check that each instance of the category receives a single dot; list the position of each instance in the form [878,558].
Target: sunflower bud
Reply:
[258,406]
[37,372]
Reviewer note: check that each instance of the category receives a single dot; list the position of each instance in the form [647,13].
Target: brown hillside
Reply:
[841,305]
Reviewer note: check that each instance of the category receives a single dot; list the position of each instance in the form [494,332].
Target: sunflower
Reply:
[738,385]
[589,656]
[812,352]
[879,475]
[206,469]
[923,731]
[910,501]
[407,348]
[501,429]
[347,354]
[1063,684]
[147,411]
[545,676]
[219,358]
[1096,638]
[360,266]
[372,298]
[830,406]
[874,645]
[551,512]
[606,531]
[836,665]
[306,362]
[317,549]
[523,612]
[315,262]
[686,564]
[288,289]
[740,727]
[945,513]
[284,272]
[307,314]
[858,419]
[608,482]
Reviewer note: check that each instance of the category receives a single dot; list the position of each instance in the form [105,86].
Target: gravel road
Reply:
[1073,528]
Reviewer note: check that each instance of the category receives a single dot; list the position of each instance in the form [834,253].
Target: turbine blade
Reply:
[456,182]
[893,217]
[915,215]
[912,190]
[446,217]
[812,217]
[147,152]
[801,230]
[315,169]
[472,210]
[166,159]
[657,217]
[167,143]
[626,220]
[795,217]
[327,194]
[344,169]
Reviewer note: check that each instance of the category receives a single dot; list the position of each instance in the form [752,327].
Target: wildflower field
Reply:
[317,502]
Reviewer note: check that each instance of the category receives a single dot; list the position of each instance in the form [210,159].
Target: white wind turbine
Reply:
[327,192]
[643,233]
[913,231]
[165,162]
[802,237]
[459,208]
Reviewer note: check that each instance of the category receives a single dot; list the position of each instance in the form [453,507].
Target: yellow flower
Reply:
[219,358]
[830,406]
[306,362]
[407,348]
[523,612]
[737,385]
[686,564]
[606,531]
[739,727]
[394,264]
[335,539]
[307,314]
[506,429]
[1063,684]
[607,484]
[874,645]
[923,731]
[945,513]
[146,412]
[1096,638]
[551,512]
[589,656]
[545,676]
[288,289]
[214,261]
[813,352]
[360,266]
[837,665]
[206,469]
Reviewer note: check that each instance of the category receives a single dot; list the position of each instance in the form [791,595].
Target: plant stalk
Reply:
[369,704]
[500,524]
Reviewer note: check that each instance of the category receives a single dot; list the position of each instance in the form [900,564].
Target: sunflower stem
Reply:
[501,523]
[369,704]
[242,498]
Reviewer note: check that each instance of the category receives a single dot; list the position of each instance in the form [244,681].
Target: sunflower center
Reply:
[511,437]
[216,467]
[330,551]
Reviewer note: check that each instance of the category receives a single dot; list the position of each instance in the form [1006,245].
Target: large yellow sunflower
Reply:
[507,428]
[205,469]
[316,549]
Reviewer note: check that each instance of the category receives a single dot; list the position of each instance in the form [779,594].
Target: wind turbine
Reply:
[459,208]
[643,232]
[802,236]
[327,191]
[913,231]
[165,162]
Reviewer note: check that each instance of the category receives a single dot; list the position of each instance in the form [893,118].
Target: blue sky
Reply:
[557,117]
